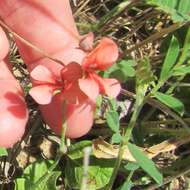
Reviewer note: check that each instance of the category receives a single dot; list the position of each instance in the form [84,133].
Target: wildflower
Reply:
[78,81]
[101,58]
[47,84]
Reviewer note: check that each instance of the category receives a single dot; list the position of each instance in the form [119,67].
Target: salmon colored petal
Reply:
[73,94]
[71,72]
[79,117]
[112,87]
[107,53]
[42,94]
[103,56]
[86,43]
[90,87]
[42,74]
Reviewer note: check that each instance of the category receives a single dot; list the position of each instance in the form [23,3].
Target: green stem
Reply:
[129,177]
[116,167]
[62,150]
[137,108]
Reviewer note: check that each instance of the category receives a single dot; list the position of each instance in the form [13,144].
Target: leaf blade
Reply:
[145,163]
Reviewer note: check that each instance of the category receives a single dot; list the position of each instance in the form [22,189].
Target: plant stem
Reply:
[62,150]
[137,108]
[116,167]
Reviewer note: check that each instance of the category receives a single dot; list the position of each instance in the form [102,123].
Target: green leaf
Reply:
[131,166]
[170,59]
[116,138]
[99,101]
[145,163]
[129,62]
[24,184]
[171,102]
[3,152]
[126,66]
[99,173]
[112,118]
[178,9]
[76,150]
[113,104]
[33,173]
[20,184]
[182,70]
[122,70]
[99,170]
[119,75]
[127,185]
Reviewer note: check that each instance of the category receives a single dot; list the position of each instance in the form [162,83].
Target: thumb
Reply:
[50,26]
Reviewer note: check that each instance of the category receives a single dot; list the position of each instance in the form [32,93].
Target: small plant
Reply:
[106,95]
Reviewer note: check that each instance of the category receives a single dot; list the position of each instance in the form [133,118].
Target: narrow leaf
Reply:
[182,70]
[171,102]
[112,119]
[145,163]
[170,59]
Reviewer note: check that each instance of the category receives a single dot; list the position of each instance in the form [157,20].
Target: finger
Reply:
[13,110]
[50,26]
[4,44]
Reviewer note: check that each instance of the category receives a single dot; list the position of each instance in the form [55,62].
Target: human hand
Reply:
[49,27]
[13,111]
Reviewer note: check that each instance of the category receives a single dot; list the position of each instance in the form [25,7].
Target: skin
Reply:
[14,114]
[50,26]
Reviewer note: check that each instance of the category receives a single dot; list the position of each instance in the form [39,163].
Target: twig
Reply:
[80,9]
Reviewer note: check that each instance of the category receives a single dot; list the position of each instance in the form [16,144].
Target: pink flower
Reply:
[77,82]
[101,58]
[47,84]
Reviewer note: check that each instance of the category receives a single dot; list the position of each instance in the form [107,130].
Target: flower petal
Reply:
[112,87]
[86,43]
[103,56]
[73,94]
[42,74]
[90,87]
[42,94]
[79,118]
[71,72]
